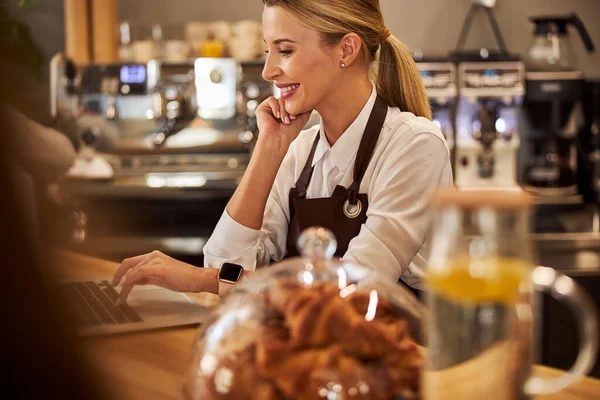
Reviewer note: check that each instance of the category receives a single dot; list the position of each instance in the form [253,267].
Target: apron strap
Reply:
[306,174]
[367,146]
[363,157]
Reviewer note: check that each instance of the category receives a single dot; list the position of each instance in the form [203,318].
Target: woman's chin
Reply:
[295,109]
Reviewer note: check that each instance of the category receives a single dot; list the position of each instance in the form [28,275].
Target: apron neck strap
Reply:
[363,157]
[306,174]
[368,141]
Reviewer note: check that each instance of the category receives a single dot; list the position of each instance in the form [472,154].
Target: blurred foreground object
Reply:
[311,327]
[482,282]
[43,152]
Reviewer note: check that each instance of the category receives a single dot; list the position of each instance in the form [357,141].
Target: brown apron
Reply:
[346,210]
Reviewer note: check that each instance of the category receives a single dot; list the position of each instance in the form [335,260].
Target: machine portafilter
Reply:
[484,131]
[174,108]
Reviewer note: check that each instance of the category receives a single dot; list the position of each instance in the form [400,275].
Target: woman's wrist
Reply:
[207,281]
[273,147]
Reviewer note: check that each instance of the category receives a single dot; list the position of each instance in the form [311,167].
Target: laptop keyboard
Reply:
[94,304]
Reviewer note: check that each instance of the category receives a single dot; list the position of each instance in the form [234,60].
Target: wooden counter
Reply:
[151,365]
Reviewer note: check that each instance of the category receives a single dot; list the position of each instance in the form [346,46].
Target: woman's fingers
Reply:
[273,103]
[125,290]
[126,265]
[285,117]
[278,110]
[142,275]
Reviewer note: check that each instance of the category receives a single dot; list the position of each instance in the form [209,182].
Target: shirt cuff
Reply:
[233,242]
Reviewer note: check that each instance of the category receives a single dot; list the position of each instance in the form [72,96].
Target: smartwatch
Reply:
[229,275]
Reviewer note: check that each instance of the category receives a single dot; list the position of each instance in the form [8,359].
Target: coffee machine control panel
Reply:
[492,79]
[117,93]
[439,79]
[123,80]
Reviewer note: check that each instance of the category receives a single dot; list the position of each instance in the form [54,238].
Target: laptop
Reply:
[92,305]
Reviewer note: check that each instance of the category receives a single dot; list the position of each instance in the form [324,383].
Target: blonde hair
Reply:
[396,75]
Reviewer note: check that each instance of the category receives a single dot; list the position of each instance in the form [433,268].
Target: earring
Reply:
[343,65]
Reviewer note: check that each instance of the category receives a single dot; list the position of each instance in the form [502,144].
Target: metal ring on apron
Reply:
[356,212]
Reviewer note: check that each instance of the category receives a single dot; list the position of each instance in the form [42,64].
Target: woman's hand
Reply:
[159,269]
[276,124]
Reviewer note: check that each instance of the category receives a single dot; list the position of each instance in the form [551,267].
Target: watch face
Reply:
[230,272]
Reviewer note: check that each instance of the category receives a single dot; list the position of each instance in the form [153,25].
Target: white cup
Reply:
[177,50]
[196,31]
[143,51]
[244,48]
[221,30]
[245,28]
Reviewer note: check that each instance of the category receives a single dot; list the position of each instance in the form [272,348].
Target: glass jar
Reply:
[311,327]
[551,53]
[481,301]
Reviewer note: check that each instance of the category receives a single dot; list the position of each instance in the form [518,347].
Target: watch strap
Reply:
[225,287]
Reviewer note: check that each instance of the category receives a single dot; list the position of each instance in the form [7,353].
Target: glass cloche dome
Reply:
[311,327]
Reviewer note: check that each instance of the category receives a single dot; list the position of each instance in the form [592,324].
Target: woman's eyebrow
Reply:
[283,40]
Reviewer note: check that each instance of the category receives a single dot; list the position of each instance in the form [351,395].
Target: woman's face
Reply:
[298,62]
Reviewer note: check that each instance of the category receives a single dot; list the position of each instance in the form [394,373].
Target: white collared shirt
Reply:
[411,160]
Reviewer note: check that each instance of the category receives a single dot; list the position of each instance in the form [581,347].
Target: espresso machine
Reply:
[440,81]
[175,139]
[487,129]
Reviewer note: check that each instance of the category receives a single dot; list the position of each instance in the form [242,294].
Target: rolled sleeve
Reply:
[231,242]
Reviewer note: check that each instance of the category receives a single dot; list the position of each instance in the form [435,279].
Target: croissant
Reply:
[235,379]
[317,315]
[313,341]
[313,374]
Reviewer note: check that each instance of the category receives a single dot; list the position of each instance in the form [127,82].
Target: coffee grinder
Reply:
[491,86]
[487,130]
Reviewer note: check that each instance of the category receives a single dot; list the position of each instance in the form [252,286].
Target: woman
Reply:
[365,172]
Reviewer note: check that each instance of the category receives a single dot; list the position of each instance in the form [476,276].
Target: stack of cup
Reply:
[221,30]
[246,43]
[177,50]
[196,33]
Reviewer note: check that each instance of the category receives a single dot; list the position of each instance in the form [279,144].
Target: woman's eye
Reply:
[282,52]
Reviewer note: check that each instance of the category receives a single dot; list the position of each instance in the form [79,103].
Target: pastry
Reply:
[312,341]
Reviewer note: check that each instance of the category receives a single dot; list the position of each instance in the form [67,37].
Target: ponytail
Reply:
[399,81]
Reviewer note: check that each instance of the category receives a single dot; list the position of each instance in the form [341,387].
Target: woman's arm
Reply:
[241,223]
[253,227]
[247,205]
[277,131]
[235,243]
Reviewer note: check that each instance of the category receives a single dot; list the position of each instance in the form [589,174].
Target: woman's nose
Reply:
[270,70]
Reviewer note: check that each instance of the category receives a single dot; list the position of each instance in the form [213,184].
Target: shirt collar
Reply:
[345,148]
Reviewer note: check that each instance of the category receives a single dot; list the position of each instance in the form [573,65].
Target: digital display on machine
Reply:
[133,74]
[426,74]
[491,72]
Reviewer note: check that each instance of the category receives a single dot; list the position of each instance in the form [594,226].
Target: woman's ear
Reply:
[351,45]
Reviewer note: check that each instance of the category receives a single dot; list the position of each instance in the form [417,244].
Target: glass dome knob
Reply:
[317,243]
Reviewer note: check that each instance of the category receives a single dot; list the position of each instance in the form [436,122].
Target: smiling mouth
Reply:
[290,88]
